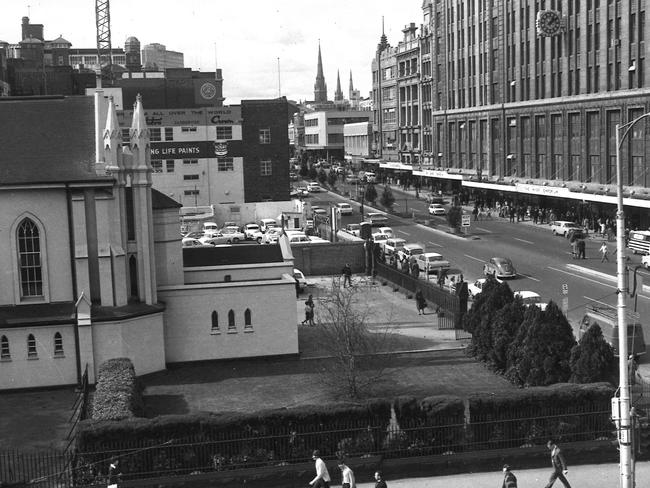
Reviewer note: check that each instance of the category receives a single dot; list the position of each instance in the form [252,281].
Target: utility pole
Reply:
[623,403]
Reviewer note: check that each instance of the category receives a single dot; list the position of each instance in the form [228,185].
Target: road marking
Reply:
[582,277]
[597,301]
[435,244]
[475,259]
[484,230]
[402,232]
[529,277]
[523,240]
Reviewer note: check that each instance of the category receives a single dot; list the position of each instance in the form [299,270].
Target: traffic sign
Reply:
[465,222]
[565,289]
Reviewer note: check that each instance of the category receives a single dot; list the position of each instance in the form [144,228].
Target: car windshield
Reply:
[354,226]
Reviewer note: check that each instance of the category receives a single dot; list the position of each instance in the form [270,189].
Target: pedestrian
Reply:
[347,275]
[581,249]
[559,466]
[297,287]
[347,476]
[379,478]
[475,213]
[309,312]
[509,478]
[604,252]
[114,473]
[322,479]
[420,302]
[574,247]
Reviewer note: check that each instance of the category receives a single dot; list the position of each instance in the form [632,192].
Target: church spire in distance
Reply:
[320,87]
[338,96]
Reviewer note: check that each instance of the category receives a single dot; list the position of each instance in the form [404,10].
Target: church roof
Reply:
[47,140]
[161,201]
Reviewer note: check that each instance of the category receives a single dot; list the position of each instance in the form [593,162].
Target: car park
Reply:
[344,208]
[436,209]
[499,268]
[562,227]
[376,218]
[300,279]
[354,229]
[530,298]
[431,262]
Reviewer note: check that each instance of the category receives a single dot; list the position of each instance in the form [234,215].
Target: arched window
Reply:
[58,344]
[29,260]
[231,320]
[5,353]
[248,324]
[215,321]
[31,346]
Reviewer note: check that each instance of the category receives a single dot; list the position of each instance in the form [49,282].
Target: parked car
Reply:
[302,191]
[271,236]
[316,210]
[499,268]
[234,234]
[562,227]
[216,239]
[195,234]
[314,187]
[379,238]
[386,230]
[266,224]
[210,227]
[298,239]
[530,298]
[344,208]
[477,287]
[376,218]
[433,198]
[300,278]
[253,232]
[436,209]
[430,262]
[392,245]
[354,229]
[191,242]
[409,251]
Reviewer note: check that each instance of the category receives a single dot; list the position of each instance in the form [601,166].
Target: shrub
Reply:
[371,193]
[387,198]
[454,217]
[592,359]
[322,176]
[118,394]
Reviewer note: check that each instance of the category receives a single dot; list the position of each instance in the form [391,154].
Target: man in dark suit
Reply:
[559,466]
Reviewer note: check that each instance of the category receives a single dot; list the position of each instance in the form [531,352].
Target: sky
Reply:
[247,40]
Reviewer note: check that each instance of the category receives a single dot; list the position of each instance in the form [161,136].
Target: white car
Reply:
[430,262]
[191,242]
[562,227]
[271,236]
[300,278]
[234,234]
[531,298]
[393,245]
[437,209]
[379,237]
[476,288]
[253,232]
[409,251]
[314,188]
[386,230]
[215,239]
[316,210]
[376,218]
[354,229]
[344,208]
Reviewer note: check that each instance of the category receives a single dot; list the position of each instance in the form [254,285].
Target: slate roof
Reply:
[237,254]
[47,140]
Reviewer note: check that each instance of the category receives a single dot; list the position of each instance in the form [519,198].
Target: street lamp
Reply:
[624,425]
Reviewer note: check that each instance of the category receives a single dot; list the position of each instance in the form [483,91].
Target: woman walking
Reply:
[420,302]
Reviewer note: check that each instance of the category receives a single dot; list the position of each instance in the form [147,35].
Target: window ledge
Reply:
[215,332]
[249,330]
[5,360]
[32,358]
[232,332]
[59,356]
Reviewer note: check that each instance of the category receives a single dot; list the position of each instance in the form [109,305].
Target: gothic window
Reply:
[29,258]
[231,321]
[248,324]
[215,321]
[58,344]
[5,353]
[31,346]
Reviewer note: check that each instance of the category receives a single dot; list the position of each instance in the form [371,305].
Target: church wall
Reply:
[237,273]
[189,335]
[48,208]
[43,369]
[167,247]
[140,338]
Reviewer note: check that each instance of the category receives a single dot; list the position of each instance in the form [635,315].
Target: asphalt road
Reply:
[543,261]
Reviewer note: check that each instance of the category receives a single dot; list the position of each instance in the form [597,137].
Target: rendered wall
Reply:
[189,335]
[241,272]
[329,259]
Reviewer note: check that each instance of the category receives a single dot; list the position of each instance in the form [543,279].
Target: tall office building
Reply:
[156,57]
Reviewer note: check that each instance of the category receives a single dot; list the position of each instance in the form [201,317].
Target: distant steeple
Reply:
[383,40]
[351,87]
[320,87]
[338,96]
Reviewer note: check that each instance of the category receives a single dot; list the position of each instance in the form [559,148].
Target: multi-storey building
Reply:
[384,95]
[324,131]
[524,100]
[156,57]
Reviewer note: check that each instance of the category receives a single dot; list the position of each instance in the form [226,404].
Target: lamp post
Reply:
[624,425]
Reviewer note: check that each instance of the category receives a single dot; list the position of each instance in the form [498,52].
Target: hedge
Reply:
[118,394]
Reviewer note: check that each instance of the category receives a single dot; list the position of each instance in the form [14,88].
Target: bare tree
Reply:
[359,354]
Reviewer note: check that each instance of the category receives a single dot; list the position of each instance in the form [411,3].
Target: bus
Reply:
[639,241]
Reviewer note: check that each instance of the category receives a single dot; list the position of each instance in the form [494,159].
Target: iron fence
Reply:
[43,469]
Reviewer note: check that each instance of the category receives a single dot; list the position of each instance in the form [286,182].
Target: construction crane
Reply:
[103,23]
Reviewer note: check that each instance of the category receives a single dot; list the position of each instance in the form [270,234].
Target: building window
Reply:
[31,346]
[188,129]
[248,323]
[265,136]
[154,134]
[231,322]
[189,193]
[58,344]
[126,134]
[5,353]
[224,132]
[169,133]
[169,165]
[29,257]
[215,322]
[225,164]
[190,177]
[157,166]
[190,161]
[266,168]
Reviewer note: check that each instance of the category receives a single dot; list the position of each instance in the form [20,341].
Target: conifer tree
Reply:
[592,359]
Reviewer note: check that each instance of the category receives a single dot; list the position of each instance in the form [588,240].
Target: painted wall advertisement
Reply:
[196,117]
[196,150]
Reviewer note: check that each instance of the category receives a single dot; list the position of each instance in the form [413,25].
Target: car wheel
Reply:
[235,240]
[259,240]
[554,232]
[228,241]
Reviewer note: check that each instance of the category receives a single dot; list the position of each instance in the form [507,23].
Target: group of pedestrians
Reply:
[323,478]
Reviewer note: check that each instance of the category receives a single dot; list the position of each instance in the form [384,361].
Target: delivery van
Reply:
[607,319]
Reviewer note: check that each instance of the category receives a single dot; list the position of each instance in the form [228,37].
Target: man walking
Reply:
[347,274]
[581,249]
[322,479]
[604,253]
[347,476]
[380,483]
[559,466]
[509,478]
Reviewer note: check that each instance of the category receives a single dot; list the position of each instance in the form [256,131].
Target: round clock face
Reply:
[549,23]
[208,91]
